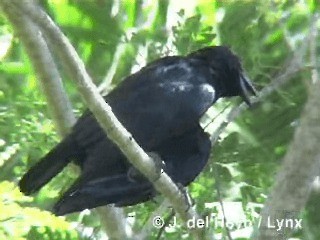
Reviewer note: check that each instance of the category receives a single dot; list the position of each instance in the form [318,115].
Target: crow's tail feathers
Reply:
[118,190]
[49,166]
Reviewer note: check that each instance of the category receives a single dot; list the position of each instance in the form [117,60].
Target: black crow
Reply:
[161,106]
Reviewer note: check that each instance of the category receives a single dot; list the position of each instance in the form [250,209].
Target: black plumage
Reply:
[161,106]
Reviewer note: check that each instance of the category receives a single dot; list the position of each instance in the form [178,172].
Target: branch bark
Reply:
[46,70]
[300,166]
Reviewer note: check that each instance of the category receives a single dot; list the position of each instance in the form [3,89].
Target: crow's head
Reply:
[228,77]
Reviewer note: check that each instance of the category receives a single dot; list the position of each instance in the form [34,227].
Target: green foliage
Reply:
[20,222]
[190,35]
[126,35]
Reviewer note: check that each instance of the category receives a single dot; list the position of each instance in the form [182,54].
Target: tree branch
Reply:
[46,70]
[300,165]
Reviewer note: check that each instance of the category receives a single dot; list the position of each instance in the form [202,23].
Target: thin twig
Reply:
[217,183]
[149,225]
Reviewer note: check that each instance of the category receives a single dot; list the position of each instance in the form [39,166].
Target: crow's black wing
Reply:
[184,156]
[102,191]
[164,99]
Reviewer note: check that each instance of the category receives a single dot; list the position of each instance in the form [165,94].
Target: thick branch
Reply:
[46,71]
[300,165]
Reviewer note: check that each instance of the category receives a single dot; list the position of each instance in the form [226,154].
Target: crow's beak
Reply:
[247,89]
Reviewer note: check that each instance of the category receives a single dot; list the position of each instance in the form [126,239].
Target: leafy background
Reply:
[116,38]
